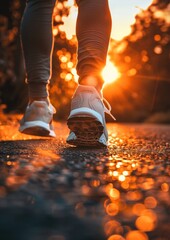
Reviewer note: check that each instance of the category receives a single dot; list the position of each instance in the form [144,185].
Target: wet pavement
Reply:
[51,191]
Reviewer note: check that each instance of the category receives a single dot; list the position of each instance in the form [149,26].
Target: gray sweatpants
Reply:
[93,34]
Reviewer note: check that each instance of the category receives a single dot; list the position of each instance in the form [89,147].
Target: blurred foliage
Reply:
[64,60]
[146,50]
[142,58]
[13,91]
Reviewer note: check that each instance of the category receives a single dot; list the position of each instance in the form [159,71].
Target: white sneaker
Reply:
[87,118]
[37,119]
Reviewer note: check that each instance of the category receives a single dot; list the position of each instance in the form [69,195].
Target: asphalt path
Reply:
[52,191]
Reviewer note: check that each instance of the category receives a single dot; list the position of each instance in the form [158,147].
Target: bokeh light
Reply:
[116,237]
[112,209]
[136,235]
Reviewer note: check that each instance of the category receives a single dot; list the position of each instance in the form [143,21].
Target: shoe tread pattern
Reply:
[87,130]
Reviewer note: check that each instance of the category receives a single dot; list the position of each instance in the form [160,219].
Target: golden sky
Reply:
[123,16]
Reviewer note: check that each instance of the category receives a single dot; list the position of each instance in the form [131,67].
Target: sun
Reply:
[110,73]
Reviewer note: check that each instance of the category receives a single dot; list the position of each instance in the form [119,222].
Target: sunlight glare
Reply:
[110,73]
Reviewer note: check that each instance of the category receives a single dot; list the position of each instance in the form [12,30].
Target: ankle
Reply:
[92,81]
[38,91]
[45,99]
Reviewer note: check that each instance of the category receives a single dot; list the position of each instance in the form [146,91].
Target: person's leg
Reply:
[37,43]
[87,117]
[93,34]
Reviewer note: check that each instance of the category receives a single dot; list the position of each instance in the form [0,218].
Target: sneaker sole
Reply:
[37,128]
[88,131]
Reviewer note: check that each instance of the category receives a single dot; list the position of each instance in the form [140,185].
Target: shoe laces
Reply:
[108,108]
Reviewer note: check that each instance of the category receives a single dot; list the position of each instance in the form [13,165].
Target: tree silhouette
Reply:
[143,60]
[11,64]
[145,52]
